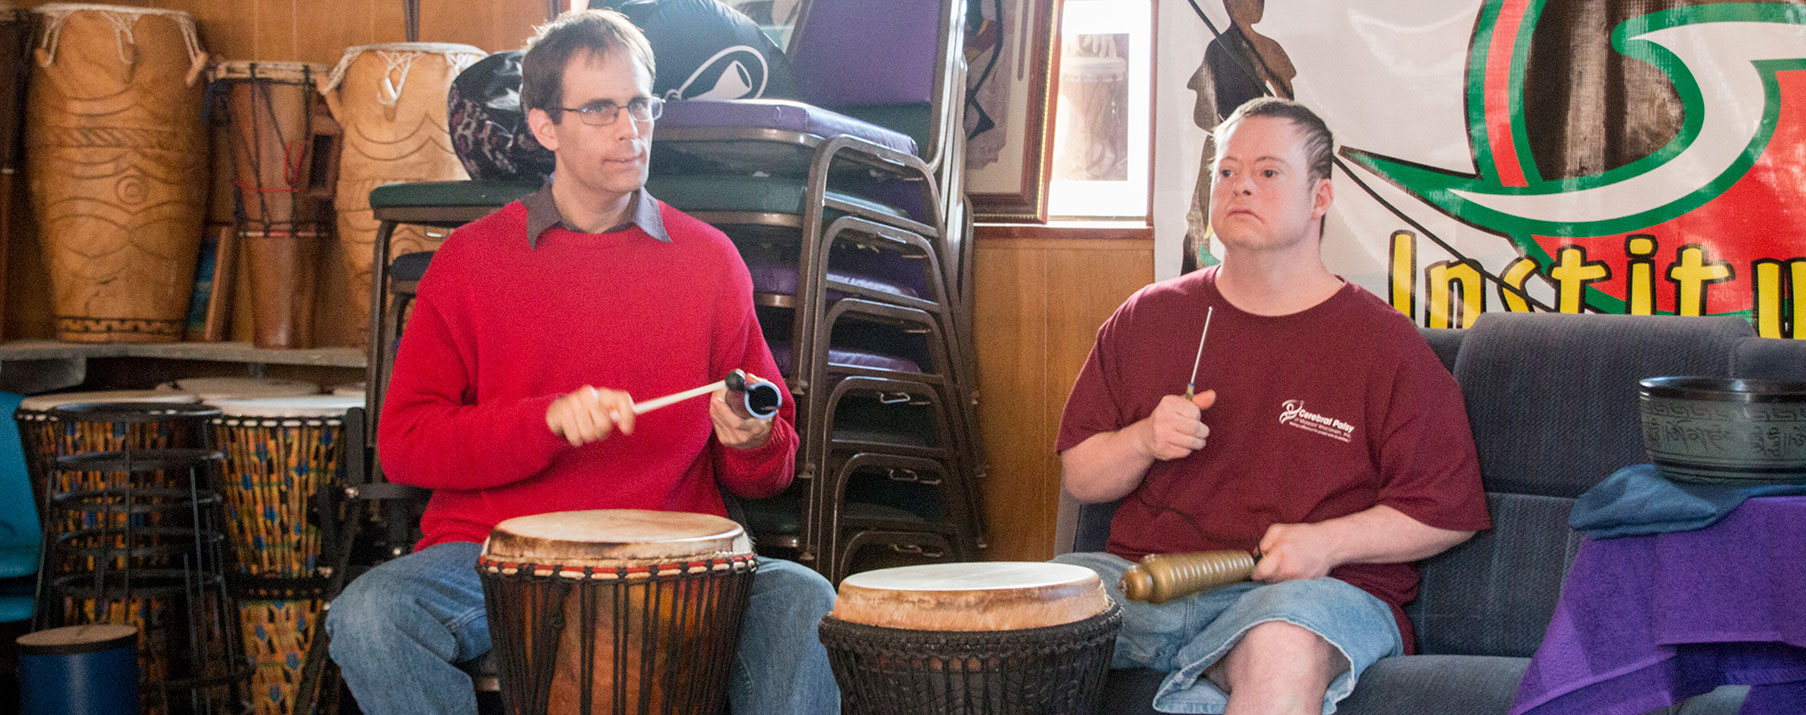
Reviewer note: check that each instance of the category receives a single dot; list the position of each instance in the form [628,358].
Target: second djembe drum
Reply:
[972,638]
[616,611]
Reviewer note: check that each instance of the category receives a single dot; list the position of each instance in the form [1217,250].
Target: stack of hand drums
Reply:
[616,611]
[972,638]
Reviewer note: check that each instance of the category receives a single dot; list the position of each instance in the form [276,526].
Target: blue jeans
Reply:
[1185,637]
[398,631]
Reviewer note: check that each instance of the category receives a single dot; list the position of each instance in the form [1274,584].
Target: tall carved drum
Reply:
[118,163]
[616,611]
[390,100]
[274,124]
[969,638]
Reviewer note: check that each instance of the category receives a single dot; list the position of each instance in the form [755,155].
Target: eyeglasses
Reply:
[602,112]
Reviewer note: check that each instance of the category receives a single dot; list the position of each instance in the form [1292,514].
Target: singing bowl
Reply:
[1725,430]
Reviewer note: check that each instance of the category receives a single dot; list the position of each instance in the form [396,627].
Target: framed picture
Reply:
[210,306]
[1012,50]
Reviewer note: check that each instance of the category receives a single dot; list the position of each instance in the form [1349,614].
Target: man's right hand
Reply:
[1176,427]
[589,415]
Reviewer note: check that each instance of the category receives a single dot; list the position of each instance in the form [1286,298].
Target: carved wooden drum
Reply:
[118,162]
[390,100]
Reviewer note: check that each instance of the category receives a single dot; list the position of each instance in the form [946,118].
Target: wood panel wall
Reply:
[279,31]
[1039,302]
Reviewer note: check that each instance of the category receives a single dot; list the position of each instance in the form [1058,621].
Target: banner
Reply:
[1622,156]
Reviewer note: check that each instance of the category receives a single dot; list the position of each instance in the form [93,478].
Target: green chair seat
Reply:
[693,193]
[424,194]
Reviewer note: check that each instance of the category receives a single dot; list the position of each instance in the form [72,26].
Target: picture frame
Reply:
[1013,47]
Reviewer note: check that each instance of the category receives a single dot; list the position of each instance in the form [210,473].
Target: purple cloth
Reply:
[1646,621]
[774,114]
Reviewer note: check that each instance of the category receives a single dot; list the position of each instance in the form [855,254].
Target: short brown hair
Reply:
[1318,141]
[598,32]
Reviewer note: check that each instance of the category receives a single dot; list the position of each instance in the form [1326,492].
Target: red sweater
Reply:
[501,329]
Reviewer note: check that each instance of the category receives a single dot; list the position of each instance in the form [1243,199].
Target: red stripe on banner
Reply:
[1497,93]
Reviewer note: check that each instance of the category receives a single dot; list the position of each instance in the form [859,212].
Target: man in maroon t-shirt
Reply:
[1330,441]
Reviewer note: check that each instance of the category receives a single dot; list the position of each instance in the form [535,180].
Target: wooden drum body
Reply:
[118,164]
[281,452]
[616,611]
[274,125]
[972,638]
[390,101]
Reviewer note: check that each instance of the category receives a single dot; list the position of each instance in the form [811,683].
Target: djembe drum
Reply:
[210,389]
[390,100]
[44,436]
[972,638]
[282,455]
[118,163]
[616,611]
[274,122]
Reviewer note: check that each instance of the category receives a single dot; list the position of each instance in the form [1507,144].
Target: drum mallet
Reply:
[1163,577]
[757,398]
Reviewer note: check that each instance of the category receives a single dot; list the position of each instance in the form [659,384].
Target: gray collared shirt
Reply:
[543,213]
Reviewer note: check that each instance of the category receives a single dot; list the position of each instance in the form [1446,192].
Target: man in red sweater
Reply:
[534,330]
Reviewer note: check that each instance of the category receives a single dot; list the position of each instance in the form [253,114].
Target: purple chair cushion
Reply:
[781,354]
[779,278]
[778,114]
[867,51]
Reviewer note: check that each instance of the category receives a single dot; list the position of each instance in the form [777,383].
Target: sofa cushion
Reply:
[1771,358]
[1552,398]
[1495,594]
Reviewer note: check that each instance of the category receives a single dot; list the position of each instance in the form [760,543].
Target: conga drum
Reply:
[274,121]
[282,454]
[390,101]
[972,638]
[118,163]
[616,611]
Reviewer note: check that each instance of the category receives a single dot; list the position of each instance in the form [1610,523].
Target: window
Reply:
[1102,123]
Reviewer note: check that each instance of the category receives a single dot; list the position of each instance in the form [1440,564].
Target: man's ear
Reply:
[1321,198]
[542,125]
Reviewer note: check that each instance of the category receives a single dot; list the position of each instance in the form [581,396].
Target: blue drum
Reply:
[79,670]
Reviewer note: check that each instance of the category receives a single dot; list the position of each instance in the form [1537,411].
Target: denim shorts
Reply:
[1186,636]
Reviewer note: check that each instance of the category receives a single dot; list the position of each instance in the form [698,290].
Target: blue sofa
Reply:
[1553,403]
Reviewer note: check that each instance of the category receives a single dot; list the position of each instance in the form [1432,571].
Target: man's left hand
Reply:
[734,430]
[1290,552]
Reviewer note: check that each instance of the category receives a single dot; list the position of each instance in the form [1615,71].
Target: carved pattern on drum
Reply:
[115,155]
[390,99]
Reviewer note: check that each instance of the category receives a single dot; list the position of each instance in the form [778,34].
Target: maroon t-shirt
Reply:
[1319,414]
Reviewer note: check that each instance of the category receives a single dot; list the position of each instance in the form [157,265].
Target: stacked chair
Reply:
[840,206]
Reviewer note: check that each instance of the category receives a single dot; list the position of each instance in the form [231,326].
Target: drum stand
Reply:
[145,547]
